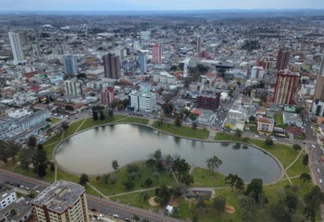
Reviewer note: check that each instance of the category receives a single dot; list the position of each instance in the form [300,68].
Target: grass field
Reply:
[278,119]
[205,178]
[182,131]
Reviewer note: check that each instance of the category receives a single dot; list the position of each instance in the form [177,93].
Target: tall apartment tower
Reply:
[61,201]
[282,59]
[16,48]
[73,87]
[36,50]
[111,66]
[198,43]
[143,63]
[318,99]
[107,96]
[286,86]
[23,38]
[70,64]
[157,53]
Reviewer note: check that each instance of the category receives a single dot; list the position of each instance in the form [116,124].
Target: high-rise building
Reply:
[73,87]
[108,96]
[318,99]
[23,38]
[61,201]
[257,72]
[70,64]
[157,53]
[143,63]
[16,48]
[282,59]
[286,86]
[145,35]
[136,45]
[111,66]
[208,101]
[36,50]
[198,44]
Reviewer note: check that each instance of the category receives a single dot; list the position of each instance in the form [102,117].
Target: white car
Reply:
[318,170]
[320,180]
[256,136]
[116,216]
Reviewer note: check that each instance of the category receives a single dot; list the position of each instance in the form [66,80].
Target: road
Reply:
[106,207]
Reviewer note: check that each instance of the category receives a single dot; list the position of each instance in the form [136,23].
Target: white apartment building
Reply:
[163,77]
[265,125]
[257,72]
[73,87]
[145,102]
[16,47]
[6,198]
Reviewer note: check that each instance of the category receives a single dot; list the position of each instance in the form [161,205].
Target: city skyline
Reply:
[152,5]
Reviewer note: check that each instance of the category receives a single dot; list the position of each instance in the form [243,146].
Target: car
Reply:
[127,219]
[313,146]
[318,170]
[101,215]
[320,180]
[256,136]
[116,216]
[93,209]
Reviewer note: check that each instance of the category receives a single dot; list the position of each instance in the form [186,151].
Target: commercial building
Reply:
[318,99]
[143,63]
[70,64]
[292,119]
[73,87]
[208,101]
[286,86]
[265,124]
[157,53]
[23,38]
[36,49]
[111,66]
[107,96]
[198,46]
[143,101]
[61,201]
[16,48]
[257,72]
[282,59]
[145,35]
[163,77]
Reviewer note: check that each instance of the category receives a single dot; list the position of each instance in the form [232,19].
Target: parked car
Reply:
[320,180]
[318,170]
[116,216]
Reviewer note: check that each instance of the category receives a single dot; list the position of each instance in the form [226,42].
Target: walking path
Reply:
[292,163]
[80,125]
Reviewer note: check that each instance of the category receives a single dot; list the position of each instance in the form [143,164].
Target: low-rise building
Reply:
[265,124]
[163,77]
[238,112]
[7,197]
[208,101]
[292,119]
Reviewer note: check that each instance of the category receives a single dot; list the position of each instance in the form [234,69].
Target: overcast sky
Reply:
[124,5]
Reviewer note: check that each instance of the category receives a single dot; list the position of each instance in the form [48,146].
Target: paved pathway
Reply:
[80,126]
[292,163]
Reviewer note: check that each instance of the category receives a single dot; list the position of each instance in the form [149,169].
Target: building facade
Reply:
[198,46]
[61,201]
[318,99]
[286,86]
[107,96]
[210,102]
[111,66]
[6,198]
[16,48]
[257,72]
[282,59]
[73,87]
[265,125]
[145,102]
[157,53]
[70,64]
[143,63]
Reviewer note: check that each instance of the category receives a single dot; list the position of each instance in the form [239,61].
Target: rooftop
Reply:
[59,196]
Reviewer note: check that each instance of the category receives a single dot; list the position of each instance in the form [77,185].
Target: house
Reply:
[290,109]
[292,119]
[295,130]
[207,117]
[265,124]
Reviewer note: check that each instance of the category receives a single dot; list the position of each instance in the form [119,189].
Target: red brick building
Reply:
[210,101]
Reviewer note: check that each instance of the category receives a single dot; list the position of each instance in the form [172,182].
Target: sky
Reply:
[143,5]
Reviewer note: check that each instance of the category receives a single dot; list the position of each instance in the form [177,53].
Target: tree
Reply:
[291,200]
[314,198]
[177,122]
[254,188]
[280,212]
[69,107]
[219,203]
[39,161]
[110,114]
[52,167]
[239,185]
[65,126]
[41,170]
[25,157]
[31,142]
[180,167]
[195,219]
[83,179]
[305,177]
[128,184]
[268,142]
[213,163]
[187,179]
[145,220]
[94,115]
[115,165]
[148,182]
[145,196]
[297,147]
[309,214]
[102,116]
[251,119]
[248,206]
[105,178]
[167,108]
[238,133]
[156,175]
[164,194]
[194,125]
[135,217]
[305,159]
[231,179]
[157,155]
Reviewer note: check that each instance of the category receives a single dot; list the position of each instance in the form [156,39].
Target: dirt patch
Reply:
[152,202]
[229,209]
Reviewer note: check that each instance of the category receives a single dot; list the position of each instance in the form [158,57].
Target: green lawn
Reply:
[182,131]
[91,123]
[55,120]
[110,189]
[136,200]
[48,178]
[298,167]
[278,119]
[205,178]
[135,120]
[72,128]
[284,153]
[62,175]
[229,137]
